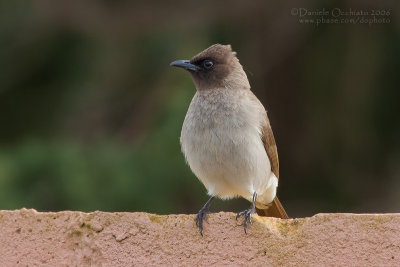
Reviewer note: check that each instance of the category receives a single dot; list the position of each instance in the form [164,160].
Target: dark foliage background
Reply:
[91,112]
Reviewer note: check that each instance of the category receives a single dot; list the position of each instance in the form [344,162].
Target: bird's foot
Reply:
[202,215]
[247,213]
[247,217]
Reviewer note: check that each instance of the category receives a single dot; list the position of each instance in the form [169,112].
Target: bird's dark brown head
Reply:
[215,67]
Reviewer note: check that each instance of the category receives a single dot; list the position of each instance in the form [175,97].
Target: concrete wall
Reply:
[73,238]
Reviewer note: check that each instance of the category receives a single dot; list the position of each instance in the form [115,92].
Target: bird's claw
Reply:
[201,215]
[247,217]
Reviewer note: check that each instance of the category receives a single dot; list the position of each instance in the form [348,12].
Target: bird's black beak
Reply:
[185,64]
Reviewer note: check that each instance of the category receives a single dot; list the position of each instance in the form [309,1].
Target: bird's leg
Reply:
[247,213]
[202,214]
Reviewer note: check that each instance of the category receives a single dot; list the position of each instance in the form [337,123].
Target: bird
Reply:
[226,136]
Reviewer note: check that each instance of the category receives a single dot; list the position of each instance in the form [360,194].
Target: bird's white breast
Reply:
[221,140]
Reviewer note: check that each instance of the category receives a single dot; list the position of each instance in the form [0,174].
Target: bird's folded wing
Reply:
[276,209]
[270,146]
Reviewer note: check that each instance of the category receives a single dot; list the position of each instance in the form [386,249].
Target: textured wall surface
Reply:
[74,238]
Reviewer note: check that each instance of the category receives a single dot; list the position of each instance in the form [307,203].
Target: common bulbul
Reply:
[227,137]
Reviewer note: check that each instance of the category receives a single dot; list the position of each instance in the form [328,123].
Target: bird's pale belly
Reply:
[226,163]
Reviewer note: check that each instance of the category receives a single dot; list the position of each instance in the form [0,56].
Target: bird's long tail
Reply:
[275,210]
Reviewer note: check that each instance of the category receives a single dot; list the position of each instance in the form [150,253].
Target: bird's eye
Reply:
[208,64]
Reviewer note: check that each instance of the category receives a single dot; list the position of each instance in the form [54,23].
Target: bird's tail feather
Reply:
[275,210]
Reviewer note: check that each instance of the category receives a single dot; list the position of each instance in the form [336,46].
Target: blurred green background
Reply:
[91,112]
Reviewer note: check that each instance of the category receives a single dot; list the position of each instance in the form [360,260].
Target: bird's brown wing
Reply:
[270,146]
[276,209]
